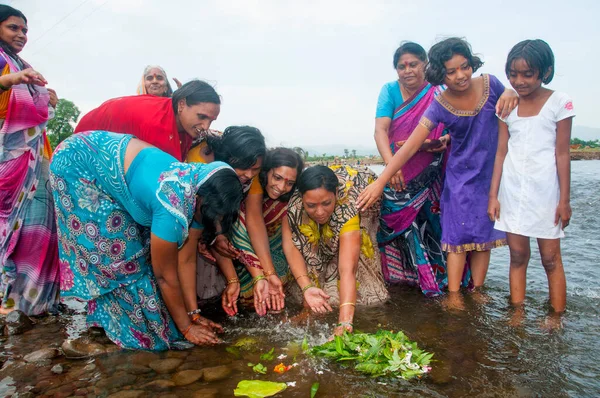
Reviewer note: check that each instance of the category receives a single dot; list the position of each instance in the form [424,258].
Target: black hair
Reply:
[409,47]
[239,146]
[221,199]
[280,157]
[440,53]
[195,92]
[537,54]
[316,177]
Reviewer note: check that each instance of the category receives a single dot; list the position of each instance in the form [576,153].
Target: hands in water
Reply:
[317,300]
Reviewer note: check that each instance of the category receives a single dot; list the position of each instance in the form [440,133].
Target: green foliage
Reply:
[258,388]
[60,127]
[268,356]
[258,368]
[313,390]
[591,143]
[384,353]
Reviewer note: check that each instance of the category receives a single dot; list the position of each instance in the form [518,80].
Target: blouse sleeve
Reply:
[564,108]
[352,224]
[431,117]
[255,188]
[166,227]
[496,87]
[385,103]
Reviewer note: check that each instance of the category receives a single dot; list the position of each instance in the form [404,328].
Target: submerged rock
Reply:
[216,373]
[119,379]
[17,323]
[57,369]
[40,355]
[206,393]
[81,348]
[128,394]
[159,385]
[165,365]
[186,377]
[134,369]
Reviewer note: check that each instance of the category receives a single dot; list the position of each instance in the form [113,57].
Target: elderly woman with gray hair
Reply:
[154,82]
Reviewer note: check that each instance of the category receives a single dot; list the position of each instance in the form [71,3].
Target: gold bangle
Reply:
[348,303]
[269,273]
[257,278]
[301,276]
[305,288]
[232,281]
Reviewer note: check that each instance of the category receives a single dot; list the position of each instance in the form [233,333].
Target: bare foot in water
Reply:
[480,296]
[6,311]
[454,301]
[517,315]
[552,322]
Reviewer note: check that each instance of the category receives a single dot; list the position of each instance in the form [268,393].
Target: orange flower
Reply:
[281,368]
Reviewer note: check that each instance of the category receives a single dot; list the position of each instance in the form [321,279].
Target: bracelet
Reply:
[269,273]
[305,288]
[196,317]
[257,278]
[186,331]
[197,311]
[3,88]
[232,281]
[301,276]
[347,323]
[348,303]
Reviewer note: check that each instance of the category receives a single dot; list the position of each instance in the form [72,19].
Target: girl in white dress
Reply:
[530,191]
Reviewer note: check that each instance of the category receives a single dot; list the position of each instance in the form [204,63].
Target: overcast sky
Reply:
[304,72]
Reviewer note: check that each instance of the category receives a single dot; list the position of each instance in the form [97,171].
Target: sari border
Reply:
[470,247]
[428,124]
[413,100]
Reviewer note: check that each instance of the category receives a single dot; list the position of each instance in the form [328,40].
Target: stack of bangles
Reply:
[258,278]
[195,315]
[232,281]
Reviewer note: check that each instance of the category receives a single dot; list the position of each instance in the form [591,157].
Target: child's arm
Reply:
[371,193]
[493,204]
[563,167]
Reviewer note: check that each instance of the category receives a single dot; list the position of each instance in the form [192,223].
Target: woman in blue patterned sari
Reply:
[119,202]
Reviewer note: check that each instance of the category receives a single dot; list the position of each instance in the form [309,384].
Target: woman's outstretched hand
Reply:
[229,298]
[202,321]
[201,335]
[276,295]
[317,300]
[370,195]
[261,296]
[28,76]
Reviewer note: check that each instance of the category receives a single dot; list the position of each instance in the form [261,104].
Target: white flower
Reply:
[282,356]
[291,383]
[319,372]
[294,364]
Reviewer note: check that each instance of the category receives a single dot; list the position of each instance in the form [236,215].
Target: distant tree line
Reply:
[591,144]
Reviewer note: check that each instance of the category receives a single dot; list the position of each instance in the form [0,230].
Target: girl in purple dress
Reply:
[467,108]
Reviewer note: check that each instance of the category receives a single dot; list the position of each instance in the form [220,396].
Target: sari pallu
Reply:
[273,213]
[28,241]
[410,232]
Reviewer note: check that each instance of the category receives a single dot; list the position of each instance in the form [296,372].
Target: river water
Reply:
[480,351]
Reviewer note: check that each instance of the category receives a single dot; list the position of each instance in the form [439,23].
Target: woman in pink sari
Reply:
[410,231]
[28,241]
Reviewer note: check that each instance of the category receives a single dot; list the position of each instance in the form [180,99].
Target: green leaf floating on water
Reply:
[384,353]
[258,368]
[268,356]
[313,390]
[258,388]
